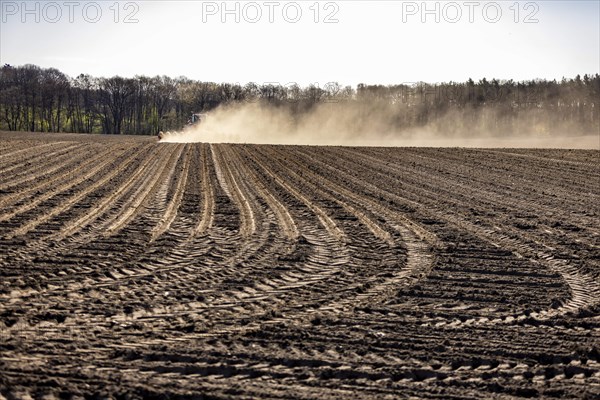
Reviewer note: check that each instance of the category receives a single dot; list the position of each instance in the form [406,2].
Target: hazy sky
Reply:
[306,41]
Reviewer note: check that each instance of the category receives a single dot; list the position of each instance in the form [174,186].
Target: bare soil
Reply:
[133,269]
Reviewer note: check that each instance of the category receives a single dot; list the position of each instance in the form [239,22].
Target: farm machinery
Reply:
[195,119]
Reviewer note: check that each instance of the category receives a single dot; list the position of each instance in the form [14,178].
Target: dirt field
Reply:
[136,269]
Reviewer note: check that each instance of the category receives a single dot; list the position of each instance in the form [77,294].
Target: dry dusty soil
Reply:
[133,269]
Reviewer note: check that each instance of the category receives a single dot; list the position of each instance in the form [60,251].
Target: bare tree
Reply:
[115,94]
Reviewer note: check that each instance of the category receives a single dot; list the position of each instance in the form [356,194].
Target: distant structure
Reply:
[197,119]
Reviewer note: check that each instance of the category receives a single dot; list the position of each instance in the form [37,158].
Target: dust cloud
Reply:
[360,124]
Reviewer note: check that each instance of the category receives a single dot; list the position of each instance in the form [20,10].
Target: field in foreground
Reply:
[136,269]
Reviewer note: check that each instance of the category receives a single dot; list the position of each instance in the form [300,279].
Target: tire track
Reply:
[132,206]
[286,222]
[109,201]
[231,187]
[177,259]
[53,244]
[118,274]
[173,205]
[416,239]
[28,174]
[208,209]
[315,303]
[29,149]
[30,185]
[368,203]
[77,179]
[325,220]
[265,291]
[293,283]
[585,289]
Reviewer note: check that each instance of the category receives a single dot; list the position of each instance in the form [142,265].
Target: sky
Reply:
[306,42]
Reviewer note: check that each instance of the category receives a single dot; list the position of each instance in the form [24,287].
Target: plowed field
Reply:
[130,269]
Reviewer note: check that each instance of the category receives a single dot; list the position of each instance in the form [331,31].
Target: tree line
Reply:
[46,100]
